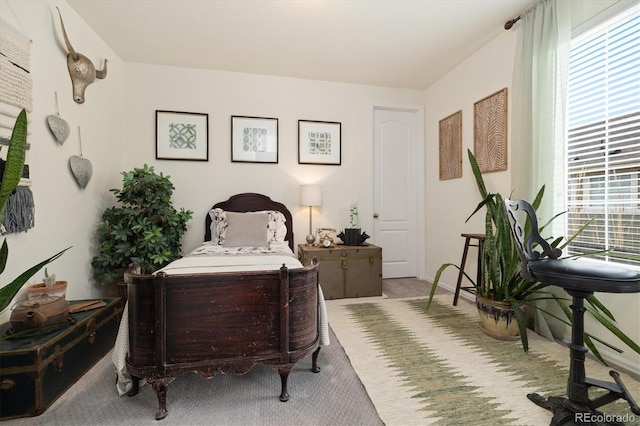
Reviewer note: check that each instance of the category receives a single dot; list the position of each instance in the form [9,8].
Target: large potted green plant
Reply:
[10,179]
[503,283]
[143,231]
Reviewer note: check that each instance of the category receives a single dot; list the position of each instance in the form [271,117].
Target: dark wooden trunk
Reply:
[35,371]
[222,322]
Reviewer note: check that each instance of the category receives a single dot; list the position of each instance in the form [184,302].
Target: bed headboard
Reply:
[251,202]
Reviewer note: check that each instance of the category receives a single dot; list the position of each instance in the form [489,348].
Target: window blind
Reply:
[603,140]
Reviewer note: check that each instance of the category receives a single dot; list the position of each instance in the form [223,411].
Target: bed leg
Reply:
[284,376]
[160,386]
[135,386]
[314,361]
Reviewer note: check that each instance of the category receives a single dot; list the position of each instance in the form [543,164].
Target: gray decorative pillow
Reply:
[246,230]
[276,225]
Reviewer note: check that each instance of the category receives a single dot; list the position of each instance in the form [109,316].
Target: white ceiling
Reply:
[403,44]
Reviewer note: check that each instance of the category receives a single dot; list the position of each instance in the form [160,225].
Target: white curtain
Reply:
[538,115]
[538,105]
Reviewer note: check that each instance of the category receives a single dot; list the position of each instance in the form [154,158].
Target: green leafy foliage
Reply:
[143,231]
[502,279]
[15,160]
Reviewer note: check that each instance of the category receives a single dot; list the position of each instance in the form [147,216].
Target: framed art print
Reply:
[254,139]
[319,142]
[490,132]
[182,136]
[450,131]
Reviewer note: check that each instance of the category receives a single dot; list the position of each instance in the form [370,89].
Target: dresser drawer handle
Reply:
[371,260]
[345,264]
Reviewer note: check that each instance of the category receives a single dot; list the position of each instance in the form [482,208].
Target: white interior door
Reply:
[395,190]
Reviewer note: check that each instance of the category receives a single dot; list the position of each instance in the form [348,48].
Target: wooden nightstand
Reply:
[346,271]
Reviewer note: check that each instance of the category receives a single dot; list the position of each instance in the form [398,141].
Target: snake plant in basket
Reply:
[503,282]
[10,179]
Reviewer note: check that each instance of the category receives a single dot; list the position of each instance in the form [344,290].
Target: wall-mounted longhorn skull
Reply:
[81,69]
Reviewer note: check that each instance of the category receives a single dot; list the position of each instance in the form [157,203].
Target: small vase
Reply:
[38,290]
[497,319]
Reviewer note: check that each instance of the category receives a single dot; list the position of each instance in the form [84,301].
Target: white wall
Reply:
[450,202]
[222,94]
[65,215]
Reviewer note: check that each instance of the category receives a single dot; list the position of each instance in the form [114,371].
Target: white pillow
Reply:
[276,228]
[218,225]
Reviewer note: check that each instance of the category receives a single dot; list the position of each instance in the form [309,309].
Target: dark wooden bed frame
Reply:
[222,322]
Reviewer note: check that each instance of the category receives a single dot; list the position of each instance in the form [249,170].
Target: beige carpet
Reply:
[335,396]
[424,368]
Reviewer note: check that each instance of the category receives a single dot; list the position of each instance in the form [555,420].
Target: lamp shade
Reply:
[310,195]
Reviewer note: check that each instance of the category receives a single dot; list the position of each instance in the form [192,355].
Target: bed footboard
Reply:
[220,322]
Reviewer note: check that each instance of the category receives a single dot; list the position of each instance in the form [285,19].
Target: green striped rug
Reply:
[437,367]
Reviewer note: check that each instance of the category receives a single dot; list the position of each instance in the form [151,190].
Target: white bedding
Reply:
[212,257]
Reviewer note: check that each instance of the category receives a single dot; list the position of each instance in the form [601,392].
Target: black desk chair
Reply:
[580,278]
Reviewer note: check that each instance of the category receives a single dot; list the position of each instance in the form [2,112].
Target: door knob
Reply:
[375,215]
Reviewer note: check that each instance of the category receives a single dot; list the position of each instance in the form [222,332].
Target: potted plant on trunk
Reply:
[141,233]
[504,293]
[49,287]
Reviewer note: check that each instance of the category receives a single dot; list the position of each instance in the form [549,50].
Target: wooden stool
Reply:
[467,243]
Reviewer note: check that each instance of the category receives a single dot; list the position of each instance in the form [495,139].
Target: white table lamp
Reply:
[310,195]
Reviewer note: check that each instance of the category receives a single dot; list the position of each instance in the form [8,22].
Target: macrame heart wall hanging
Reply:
[81,167]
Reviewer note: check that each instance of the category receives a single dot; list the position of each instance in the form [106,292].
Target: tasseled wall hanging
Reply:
[15,94]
